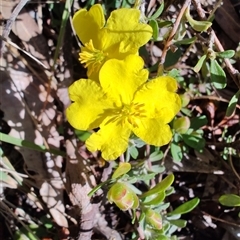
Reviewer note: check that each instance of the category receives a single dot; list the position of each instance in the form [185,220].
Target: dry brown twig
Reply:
[173,32]
[10,22]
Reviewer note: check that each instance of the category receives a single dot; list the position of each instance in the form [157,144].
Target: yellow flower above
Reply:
[123,102]
[120,36]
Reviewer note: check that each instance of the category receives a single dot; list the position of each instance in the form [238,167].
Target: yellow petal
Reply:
[124,27]
[111,139]
[153,131]
[121,78]
[90,105]
[159,98]
[87,24]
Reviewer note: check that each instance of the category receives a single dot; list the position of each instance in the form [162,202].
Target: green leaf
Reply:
[163,206]
[199,26]
[161,237]
[176,152]
[146,177]
[158,169]
[133,152]
[23,143]
[198,122]
[194,140]
[82,135]
[199,64]
[65,17]
[158,12]
[97,188]
[186,41]
[179,223]
[218,76]
[226,54]
[156,200]
[169,191]
[7,165]
[230,200]
[156,156]
[47,222]
[7,179]
[160,187]
[185,207]
[172,58]
[164,24]
[154,25]
[122,169]
[181,32]
[232,104]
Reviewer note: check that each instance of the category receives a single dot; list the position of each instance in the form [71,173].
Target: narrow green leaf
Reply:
[179,223]
[145,177]
[181,32]
[122,169]
[199,26]
[23,143]
[156,200]
[226,54]
[185,207]
[230,200]
[6,164]
[164,24]
[186,41]
[154,25]
[160,187]
[218,76]
[158,12]
[232,104]
[65,16]
[97,188]
[199,64]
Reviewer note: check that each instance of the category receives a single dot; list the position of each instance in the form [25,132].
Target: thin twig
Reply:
[221,220]
[231,70]
[12,44]
[214,98]
[173,32]
[232,166]
[10,22]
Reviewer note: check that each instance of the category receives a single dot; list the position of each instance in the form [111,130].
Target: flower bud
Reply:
[123,196]
[154,219]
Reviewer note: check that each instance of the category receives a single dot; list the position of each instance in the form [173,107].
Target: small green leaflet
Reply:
[218,76]
[232,104]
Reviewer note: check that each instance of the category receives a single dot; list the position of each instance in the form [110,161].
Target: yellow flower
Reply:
[121,103]
[120,36]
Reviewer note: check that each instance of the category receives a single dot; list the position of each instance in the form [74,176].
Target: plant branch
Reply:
[231,70]
[10,22]
[172,33]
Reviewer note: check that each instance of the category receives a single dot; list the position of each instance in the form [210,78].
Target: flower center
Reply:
[92,57]
[132,113]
